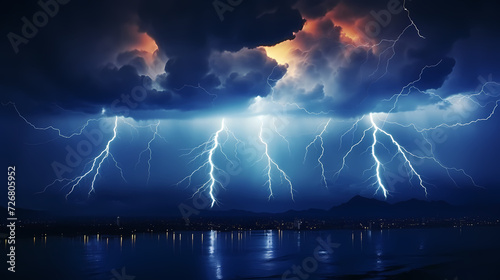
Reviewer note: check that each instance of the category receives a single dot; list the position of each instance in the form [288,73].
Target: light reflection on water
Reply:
[268,253]
[247,254]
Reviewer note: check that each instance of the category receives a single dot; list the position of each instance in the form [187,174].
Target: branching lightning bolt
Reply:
[270,164]
[401,150]
[412,23]
[50,127]
[148,148]
[405,153]
[353,128]
[378,164]
[213,95]
[431,156]
[96,162]
[281,135]
[95,168]
[208,149]
[319,138]
[344,158]
[392,44]
[408,87]
[460,97]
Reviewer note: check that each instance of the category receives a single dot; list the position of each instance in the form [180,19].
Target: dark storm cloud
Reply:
[63,62]
[355,84]
[79,59]
[133,58]
[234,79]
[194,40]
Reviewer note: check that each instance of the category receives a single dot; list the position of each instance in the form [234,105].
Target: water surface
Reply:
[443,253]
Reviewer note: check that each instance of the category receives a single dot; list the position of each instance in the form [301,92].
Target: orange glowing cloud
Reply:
[148,45]
[313,29]
[143,46]
[350,33]
[332,38]
[145,43]
[281,52]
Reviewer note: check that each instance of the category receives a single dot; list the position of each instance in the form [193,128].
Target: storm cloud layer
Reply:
[173,74]
[89,54]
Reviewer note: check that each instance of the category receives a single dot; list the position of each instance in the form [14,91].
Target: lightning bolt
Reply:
[95,168]
[392,44]
[96,162]
[405,153]
[208,149]
[353,128]
[407,88]
[401,150]
[353,146]
[378,164]
[377,161]
[460,97]
[423,131]
[213,95]
[455,99]
[369,47]
[433,158]
[319,138]
[148,148]
[456,124]
[412,23]
[281,135]
[78,132]
[270,164]
[391,48]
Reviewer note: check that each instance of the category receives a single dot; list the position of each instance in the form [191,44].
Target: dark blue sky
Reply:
[398,98]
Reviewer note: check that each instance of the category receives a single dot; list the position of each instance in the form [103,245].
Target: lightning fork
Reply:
[50,127]
[401,150]
[378,164]
[270,164]
[208,149]
[148,148]
[96,166]
[344,158]
[353,128]
[393,43]
[281,135]
[319,138]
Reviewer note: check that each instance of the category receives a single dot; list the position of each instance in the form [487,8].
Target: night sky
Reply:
[405,89]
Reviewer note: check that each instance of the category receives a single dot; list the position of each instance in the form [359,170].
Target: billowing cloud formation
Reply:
[347,60]
[90,55]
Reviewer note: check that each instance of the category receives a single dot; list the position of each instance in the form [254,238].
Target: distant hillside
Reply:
[362,207]
[358,208]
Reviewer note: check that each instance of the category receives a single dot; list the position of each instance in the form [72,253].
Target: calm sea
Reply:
[442,253]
